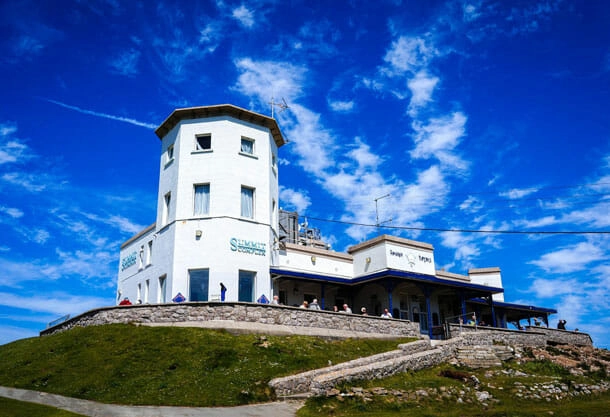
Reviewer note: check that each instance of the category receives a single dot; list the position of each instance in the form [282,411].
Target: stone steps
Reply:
[413,355]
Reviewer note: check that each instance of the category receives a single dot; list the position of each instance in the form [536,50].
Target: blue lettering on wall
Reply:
[248,246]
[425,259]
[128,261]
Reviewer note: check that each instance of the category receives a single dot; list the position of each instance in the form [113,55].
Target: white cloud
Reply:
[294,200]
[269,79]
[341,106]
[570,259]
[408,55]
[12,150]
[421,87]
[517,193]
[126,63]
[244,16]
[34,183]
[438,138]
[103,115]
[12,212]
[58,304]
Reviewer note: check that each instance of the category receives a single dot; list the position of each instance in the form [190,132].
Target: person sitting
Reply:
[386,314]
[363,311]
[346,309]
[276,300]
[304,305]
[314,305]
[125,302]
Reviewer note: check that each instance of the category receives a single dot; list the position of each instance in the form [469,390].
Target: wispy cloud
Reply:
[103,115]
[244,16]
[294,199]
[572,258]
[126,63]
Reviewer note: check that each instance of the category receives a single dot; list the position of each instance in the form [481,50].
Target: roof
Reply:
[388,273]
[530,310]
[389,238]
[230,110]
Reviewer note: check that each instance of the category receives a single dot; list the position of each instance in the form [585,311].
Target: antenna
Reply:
[377,212]
[283,106]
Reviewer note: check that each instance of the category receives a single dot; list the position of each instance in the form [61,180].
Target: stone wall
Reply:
[534,336]
[302,383]
[239,312]
[563,337]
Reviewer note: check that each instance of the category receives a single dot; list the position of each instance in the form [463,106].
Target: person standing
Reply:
[386,314]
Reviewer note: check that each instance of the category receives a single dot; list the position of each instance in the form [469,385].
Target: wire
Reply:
[437,229]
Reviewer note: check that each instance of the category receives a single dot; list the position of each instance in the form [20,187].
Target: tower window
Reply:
[166,208]
[247,202]
[202,200]
[203,142]
[247,146]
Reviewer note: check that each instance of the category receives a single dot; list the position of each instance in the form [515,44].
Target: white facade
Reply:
[217,211]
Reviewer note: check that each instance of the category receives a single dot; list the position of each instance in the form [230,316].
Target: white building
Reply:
[217,210]
[218,226]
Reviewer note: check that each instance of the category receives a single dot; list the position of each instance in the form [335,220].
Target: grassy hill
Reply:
[126,364]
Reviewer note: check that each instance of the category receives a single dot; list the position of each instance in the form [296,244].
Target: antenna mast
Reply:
[282,105]
[377,212]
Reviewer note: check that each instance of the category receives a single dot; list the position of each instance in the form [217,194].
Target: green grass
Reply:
[508,405]
[14,408]
[125,364]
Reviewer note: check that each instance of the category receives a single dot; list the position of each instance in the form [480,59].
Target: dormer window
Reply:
[203,142]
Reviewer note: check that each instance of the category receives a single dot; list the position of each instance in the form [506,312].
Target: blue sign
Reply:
[179,298]
[262,300]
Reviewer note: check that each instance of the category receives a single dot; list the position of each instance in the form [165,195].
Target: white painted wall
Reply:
[491,277]
[176,248]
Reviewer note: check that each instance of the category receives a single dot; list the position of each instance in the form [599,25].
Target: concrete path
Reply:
[94,409]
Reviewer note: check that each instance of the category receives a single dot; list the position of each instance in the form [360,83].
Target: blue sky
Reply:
[471,115]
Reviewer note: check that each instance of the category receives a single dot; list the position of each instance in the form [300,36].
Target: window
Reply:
[246,286]
[247,202]
[162,287]
[149,253]
[139,298]
[247,146]
[199,283]
[166,208]
[141,258]
[203,142]
[202,200]
[170,153]
[146,291]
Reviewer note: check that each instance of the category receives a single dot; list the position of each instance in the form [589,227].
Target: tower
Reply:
[217,210]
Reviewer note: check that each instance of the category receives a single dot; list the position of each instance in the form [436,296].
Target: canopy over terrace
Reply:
[422,298]
[510,312]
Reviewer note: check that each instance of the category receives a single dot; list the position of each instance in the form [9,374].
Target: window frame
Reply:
[253,145]
[198,147]
[207,208]
[252,199]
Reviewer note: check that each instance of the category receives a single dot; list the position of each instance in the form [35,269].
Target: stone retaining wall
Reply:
[301,383]
[242,312]
[563,337]
[534,336]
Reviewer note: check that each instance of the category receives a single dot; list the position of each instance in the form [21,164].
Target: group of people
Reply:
[314,305]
